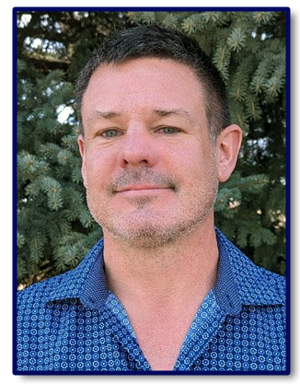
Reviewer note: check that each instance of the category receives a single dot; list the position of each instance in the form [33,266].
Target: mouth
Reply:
[142,191]
[141,187]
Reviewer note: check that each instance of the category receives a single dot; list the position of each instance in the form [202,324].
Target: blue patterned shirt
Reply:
[73,323]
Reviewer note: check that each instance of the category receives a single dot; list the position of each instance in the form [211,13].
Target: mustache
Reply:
[142,176]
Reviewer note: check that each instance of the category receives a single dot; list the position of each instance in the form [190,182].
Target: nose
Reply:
[137,148]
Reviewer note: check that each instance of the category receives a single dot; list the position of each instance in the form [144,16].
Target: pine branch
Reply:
[221,59]
[237,39]
[53,190]
[46,66]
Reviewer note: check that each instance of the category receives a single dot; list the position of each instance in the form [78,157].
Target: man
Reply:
[164,289]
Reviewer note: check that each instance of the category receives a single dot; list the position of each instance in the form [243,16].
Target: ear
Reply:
[228,145]
[81,146]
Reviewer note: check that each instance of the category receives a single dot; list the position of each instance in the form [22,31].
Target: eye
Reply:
[110,133]
[168,130]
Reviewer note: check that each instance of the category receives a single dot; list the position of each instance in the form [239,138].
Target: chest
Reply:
[161,339]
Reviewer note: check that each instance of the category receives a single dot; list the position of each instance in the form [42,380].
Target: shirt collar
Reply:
[72,283]
[255,285]
[239,281]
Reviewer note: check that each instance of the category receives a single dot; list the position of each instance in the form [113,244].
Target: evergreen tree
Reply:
[55,228]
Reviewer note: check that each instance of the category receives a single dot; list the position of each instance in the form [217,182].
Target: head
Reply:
[152,153]
[157,42]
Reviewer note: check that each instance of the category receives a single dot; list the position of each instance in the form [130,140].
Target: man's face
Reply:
[149,166]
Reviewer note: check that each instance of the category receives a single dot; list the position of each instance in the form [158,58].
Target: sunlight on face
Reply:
[148,164]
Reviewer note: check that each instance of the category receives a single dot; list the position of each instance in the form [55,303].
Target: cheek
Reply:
[196,163]
[98,167]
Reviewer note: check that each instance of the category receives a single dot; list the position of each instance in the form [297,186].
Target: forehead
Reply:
[146,83]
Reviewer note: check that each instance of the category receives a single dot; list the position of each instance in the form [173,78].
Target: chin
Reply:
[140,236]
[150,235]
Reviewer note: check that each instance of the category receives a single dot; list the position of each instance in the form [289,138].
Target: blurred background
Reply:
[55,228]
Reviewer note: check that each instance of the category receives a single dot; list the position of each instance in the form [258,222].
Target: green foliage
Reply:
[55,228]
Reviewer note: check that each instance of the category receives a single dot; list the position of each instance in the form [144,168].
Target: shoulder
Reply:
[256,285]
[68,285]
[259,286]
[39,292]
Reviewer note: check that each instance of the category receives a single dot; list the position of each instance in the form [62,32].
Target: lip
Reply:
[141,189]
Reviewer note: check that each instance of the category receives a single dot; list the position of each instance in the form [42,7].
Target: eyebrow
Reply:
[174,111]
[158,112]
[104,115]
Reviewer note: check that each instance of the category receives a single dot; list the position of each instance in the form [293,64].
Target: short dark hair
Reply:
[164,43]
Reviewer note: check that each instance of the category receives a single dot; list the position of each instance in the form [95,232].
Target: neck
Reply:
[169,275]
[162,288]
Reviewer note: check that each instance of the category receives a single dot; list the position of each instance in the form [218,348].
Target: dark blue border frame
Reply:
[288,186]
[14,189]
[159,9]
